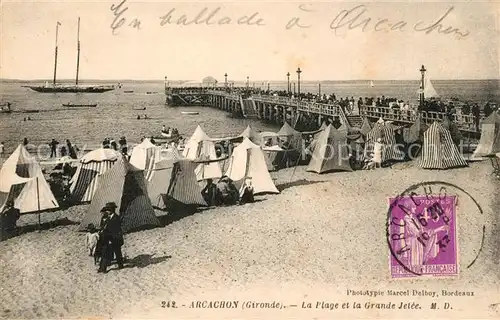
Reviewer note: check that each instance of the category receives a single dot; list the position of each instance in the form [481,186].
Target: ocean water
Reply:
[115,115]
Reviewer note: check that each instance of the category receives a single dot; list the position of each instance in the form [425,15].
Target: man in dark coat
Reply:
[8,220]
[111,232]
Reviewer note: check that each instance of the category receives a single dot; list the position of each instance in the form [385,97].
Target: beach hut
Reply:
[386,132]
[439,151]
[84,181]
[248,161]
[124,185]
[22,180]
[144,156]
[489,143]
[174,179]
[331,151]
[200,147]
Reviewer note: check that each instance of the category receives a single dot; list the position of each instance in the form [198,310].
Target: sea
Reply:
[116,112]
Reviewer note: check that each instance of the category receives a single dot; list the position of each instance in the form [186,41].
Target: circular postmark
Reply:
[422,230]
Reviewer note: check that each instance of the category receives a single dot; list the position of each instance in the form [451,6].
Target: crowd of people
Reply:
[225,192]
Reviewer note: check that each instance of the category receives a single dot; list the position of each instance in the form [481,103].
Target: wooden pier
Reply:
[280,109]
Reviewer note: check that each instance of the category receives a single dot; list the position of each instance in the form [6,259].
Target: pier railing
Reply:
[464,122]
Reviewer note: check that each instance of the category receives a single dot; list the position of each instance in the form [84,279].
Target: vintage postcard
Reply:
[249,159]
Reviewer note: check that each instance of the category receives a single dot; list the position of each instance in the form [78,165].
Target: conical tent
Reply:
[84,181]
[124,185]
[489,143]
[201,147]
[174,179]
[451,126]
[252,135]
[22,180]
[331,151]
[144,156]
[365,127]
[247,161]
[439,151]
[385,132]
[415,132]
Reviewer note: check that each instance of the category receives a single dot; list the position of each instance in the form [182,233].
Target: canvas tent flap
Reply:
[489,142]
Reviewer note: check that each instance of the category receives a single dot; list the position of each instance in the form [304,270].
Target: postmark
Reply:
[422,230]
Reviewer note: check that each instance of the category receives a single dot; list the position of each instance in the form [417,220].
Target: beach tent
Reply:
[174,179]
[331,151]
[415,132]
[489,143]
[384,131]
[124,185]
[252,135]
[456,134]
[84,181]
[365,127]
[22,180]
[201,147]
[144,156]
[248,161]
[439,151]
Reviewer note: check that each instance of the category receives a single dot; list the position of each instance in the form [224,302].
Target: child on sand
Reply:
[91,240]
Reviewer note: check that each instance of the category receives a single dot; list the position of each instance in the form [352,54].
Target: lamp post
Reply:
[248,82]
[422,72]
[298,80]
[288,82]
[225,80]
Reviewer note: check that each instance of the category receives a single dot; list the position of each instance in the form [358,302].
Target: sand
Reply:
[323,234]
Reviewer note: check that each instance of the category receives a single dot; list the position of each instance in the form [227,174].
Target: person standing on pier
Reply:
[2,148]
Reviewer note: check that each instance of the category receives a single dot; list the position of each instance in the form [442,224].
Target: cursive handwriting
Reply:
[210,17]
[118,11]
[356,18]
[295,21]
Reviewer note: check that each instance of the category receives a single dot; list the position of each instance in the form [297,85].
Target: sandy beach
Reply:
[322,235]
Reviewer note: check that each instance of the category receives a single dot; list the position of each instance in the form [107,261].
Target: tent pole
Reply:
[38,204]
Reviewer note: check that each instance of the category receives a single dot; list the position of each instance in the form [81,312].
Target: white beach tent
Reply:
[84,181]
[144,156]
[247,161]
[202,147]
[22,180]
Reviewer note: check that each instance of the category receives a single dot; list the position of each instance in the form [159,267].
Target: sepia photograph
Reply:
[249,159]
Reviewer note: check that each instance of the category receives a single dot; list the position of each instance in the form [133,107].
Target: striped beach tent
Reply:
[144,156]
[386,132]
[124,185]
[331,151]
[439,151]
[84,181]
[248,162]
[174,179]
[202,147]
[22,180]
[489,143]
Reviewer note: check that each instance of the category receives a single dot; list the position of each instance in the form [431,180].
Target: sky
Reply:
[331,45]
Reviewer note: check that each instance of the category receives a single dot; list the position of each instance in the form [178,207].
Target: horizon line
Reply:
[243,80]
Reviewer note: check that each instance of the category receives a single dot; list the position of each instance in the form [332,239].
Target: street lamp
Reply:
[298,80]
[288,82]
[248,81]
[225,80]
[422,72]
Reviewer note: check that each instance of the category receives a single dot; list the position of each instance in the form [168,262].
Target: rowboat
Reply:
[190,112]
[128,91]
[70,105]
[31,111]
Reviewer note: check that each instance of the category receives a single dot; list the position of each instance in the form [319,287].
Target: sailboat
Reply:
[47,88]
[429,91]
[371,84]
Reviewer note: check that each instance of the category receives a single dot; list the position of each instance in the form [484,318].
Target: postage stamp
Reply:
[422,236]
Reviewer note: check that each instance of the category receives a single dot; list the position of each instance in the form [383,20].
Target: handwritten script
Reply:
[357,17]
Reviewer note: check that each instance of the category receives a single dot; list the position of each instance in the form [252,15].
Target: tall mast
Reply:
[55,55]
[78,51]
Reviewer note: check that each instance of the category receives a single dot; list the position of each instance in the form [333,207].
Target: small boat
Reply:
[71,105]
[31,111]
[151,92]
[191,113]
[139,108]
[372,84]
[128,91]
[5,108]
